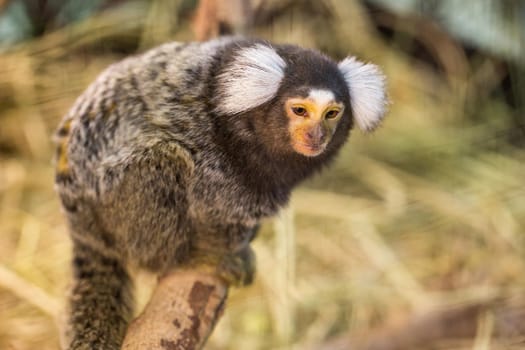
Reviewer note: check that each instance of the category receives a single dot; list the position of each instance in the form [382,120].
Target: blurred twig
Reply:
[118,22]
[161,22]
[284,277]
[219,17]
[505,318]
[28,292]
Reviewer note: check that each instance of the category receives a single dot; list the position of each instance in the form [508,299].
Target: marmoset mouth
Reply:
[309,149]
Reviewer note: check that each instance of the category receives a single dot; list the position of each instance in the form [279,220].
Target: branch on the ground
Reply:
[421,331]
[181,313]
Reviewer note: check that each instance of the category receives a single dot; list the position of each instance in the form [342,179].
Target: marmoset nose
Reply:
[315,134]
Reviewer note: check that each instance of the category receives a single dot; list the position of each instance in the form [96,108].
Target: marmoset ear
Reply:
[252,79]
[366,84]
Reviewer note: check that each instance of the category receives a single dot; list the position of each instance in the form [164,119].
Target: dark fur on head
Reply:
[257,141]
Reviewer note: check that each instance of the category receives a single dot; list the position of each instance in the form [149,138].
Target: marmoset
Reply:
[171,158]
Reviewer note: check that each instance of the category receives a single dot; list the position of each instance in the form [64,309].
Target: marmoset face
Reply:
[312,120]
[297,99]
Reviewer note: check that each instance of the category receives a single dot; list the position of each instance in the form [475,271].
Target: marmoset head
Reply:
[299,100]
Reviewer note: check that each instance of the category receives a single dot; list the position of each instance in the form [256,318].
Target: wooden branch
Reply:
[268,11]
[221,17]
[181,313]
[3,5]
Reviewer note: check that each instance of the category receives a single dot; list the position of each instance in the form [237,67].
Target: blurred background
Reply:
[413,239]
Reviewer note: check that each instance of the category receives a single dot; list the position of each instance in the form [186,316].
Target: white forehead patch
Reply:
[252,79]
[321,97]
[366,84]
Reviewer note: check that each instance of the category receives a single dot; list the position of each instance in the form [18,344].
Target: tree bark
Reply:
[181,313]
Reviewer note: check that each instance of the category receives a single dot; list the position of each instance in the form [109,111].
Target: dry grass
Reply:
[427,212]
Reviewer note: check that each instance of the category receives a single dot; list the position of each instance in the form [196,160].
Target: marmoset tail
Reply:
[171,158]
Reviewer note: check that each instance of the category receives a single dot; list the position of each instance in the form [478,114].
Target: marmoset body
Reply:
[171,159]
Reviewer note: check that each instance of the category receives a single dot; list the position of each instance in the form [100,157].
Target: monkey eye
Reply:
[300,111]
[331,114]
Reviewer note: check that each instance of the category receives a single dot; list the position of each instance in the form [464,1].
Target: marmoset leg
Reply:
[237,269]
[226,250]
[234,268]
[100,302]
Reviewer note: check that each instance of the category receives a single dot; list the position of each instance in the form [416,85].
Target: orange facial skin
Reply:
[312,124]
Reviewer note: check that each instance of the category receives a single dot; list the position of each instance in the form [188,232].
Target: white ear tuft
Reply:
[252,79]
[367,88]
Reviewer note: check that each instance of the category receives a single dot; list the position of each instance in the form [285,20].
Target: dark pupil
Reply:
[299,110]
[331,114]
